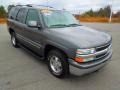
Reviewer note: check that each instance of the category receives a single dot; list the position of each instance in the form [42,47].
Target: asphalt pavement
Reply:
[20,70]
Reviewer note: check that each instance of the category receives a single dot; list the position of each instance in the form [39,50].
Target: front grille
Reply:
[103,55]
[102,47]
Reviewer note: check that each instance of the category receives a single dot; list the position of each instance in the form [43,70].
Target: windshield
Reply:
[59,18]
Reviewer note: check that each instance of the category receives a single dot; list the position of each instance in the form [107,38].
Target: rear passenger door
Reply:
[12,16]
[20,21]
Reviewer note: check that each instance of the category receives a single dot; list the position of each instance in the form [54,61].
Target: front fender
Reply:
[69,51]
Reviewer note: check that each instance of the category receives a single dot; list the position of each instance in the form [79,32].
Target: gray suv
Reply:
[57,37]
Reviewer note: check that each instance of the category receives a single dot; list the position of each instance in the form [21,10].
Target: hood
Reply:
[82,36]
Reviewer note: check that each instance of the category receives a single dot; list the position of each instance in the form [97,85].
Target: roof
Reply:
[36,6]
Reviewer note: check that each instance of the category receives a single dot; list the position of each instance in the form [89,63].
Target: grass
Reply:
[98,19]
[2,20]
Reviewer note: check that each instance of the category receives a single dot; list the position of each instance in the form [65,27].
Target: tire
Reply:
[57,64]
[14,40]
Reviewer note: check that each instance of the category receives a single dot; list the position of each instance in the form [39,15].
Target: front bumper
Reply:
[85,68]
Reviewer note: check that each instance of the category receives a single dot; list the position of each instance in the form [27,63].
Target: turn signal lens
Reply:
[79,59]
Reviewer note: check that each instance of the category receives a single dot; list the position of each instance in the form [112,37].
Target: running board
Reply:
[31,52]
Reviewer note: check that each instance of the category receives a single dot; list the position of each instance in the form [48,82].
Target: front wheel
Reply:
[57,64]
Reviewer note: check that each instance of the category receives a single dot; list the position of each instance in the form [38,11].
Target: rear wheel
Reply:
[14,40]
[57,64]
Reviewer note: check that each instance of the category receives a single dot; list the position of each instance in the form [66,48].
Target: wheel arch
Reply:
[11,30]
[49,47]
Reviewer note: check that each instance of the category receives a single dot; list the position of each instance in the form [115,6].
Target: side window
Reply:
[13,12]
[21,15]
[32,16]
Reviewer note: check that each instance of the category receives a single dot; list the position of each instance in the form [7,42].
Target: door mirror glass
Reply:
[32,24]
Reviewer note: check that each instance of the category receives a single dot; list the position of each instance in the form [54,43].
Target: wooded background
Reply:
[101,15]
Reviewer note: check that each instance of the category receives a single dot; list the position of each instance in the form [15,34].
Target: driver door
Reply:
[33,35]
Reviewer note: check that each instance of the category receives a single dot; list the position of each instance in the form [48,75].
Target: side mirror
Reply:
[33,24]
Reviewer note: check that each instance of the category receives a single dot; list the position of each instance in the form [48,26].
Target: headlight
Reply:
[84,52]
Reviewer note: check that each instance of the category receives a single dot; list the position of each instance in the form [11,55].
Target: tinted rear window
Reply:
[21,15]
[13,12]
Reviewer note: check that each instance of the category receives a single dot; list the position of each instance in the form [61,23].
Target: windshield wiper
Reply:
[61,25]
[64,25]
[74,24]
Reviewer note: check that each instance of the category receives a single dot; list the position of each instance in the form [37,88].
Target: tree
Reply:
[89,13]
[107,11]
[102,12]
[2,12]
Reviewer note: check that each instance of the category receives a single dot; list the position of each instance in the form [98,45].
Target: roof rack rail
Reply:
[24,5]
[31,5]
[34,5]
